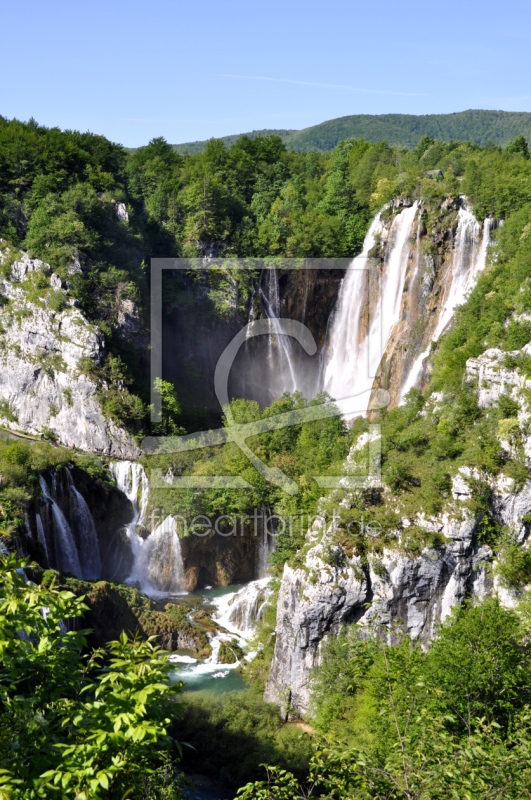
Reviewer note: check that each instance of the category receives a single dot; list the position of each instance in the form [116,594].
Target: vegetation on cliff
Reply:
[97,214]
[21,462]
[395,722]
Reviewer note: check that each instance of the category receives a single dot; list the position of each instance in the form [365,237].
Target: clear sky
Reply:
[189,70]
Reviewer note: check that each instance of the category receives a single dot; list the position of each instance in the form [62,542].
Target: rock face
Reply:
[316,600]
[45,361]
[417,592]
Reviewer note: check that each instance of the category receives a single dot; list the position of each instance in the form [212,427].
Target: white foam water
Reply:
[158,568]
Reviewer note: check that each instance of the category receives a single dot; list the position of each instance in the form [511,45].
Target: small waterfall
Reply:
[158,568]
[65,547]
[238,613]
[468,260]
[279,344]
[89,551]
[266,545]
[41,537]
[353,353]
[132,480]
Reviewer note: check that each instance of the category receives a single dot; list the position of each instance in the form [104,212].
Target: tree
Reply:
[518,146]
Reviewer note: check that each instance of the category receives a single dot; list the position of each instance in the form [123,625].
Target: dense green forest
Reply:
[481,127]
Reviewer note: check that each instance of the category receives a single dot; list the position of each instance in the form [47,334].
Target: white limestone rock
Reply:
[41,384]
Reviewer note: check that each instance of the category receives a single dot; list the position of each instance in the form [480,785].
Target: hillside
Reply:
[481,127]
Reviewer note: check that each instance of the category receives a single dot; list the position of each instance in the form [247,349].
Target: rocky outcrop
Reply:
[415,592]
[47,351]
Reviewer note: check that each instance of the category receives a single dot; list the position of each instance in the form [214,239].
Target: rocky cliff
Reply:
[47,352]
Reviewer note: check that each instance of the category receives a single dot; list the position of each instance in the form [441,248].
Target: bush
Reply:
[92,726]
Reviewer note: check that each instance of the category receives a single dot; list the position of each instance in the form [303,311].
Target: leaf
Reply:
[103,779]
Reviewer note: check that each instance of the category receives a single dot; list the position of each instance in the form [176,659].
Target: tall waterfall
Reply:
[280,347]
[158,567]
[468,260]
[355,343]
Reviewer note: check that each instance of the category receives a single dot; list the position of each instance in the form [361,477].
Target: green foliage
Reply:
[74,725]
[396,722]
[300,451]
[7,412]
[239,723]
[170,409]
[406,130]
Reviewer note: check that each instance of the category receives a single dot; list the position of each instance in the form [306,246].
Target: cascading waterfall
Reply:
[353,353]
[89,551]
[65,547]
[158,566]
[131,479]
[236,613]
[468,260]
[239,612]
[69,546]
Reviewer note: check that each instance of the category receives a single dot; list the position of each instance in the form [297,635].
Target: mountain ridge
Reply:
[474,125]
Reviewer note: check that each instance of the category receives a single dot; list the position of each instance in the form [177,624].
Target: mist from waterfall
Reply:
[361,328]
[280,347]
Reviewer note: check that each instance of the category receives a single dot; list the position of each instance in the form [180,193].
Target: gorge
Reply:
[371,341]
[341,525]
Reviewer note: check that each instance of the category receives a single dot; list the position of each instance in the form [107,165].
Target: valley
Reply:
[342,593]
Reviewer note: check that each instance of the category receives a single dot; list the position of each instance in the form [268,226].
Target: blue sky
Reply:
[189,70]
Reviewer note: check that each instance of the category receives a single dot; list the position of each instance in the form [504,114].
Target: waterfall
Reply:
[353,353]
[41,537]
[468,260]
[132,480]
[238,613]
[266,545]
[89,551]
[65,547]
[278,342]
[158,568]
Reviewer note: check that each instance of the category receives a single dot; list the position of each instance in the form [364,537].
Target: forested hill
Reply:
[481,127]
